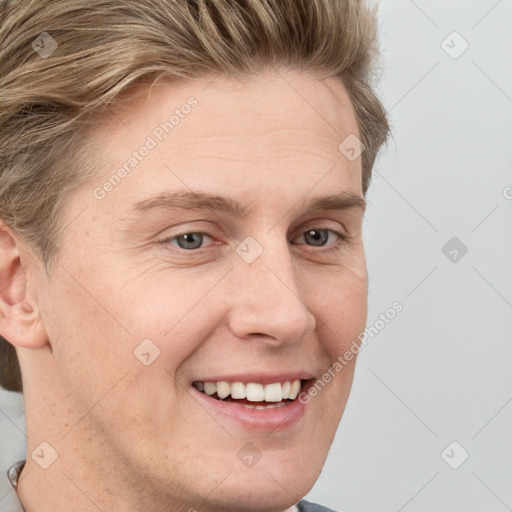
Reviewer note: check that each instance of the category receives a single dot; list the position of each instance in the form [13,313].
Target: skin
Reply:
[131,437]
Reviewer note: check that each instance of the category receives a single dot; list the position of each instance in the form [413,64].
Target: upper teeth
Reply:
[253,391]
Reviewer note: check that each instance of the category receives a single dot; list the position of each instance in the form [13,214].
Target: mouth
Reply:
[253,395]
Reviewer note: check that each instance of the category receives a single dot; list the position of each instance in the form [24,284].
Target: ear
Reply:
[20,321]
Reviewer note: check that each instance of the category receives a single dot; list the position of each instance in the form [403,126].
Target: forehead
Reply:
[255,134]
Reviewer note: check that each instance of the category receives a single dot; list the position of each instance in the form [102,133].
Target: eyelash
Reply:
[332,247]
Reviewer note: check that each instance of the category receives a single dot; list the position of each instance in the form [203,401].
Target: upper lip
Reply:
[262,378]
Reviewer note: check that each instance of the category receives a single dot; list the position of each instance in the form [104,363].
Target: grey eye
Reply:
[190,240]
[318,237]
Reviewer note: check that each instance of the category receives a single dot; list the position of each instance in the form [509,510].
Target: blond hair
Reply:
[63,62]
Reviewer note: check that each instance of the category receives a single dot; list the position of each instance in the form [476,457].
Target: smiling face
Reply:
[164,300]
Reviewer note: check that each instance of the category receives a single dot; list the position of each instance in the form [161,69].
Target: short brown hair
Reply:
[106,47]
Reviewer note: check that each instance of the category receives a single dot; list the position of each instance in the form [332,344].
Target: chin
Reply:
[277,481]
[260,491]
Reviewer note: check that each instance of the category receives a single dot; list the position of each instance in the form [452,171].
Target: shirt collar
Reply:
[13,473]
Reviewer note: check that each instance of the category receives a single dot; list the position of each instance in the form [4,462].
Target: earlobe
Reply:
[20,322]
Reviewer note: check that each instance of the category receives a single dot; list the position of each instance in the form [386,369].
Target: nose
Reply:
[267,302]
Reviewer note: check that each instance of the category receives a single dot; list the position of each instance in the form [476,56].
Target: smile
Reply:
[252,395]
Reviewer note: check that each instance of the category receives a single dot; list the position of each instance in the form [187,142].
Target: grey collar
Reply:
[14,471]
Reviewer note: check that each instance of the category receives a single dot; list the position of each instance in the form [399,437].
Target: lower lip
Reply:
[274,419]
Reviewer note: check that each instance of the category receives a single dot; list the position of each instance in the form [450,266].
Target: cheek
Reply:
[342,306]
[132,333]
[91,351]
[343,318]
[110,375]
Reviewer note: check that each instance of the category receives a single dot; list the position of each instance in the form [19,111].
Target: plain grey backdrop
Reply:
[440,372]
[428,424]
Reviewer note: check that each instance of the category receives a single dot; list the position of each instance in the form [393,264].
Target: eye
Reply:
[192,240]
[314,237]
[320,237]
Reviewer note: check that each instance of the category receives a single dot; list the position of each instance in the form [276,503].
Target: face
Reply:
[163,300]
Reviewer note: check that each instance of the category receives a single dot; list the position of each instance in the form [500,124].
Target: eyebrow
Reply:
[190,200]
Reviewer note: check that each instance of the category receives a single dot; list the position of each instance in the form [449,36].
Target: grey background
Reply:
[441,370]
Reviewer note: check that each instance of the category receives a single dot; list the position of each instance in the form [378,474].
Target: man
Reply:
[182,193]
